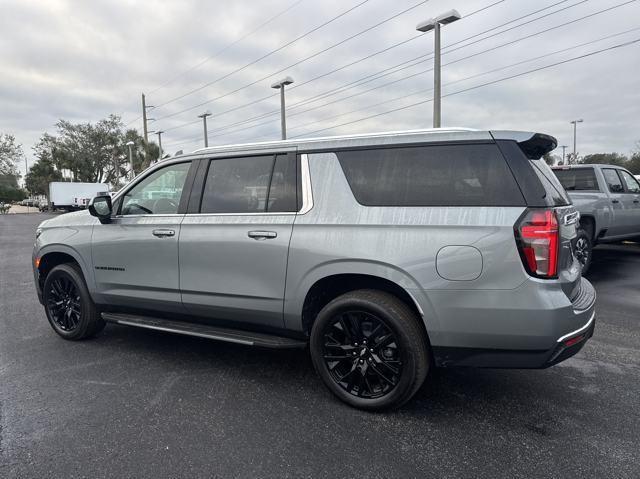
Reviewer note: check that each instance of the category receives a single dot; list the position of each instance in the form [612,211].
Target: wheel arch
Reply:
[590,220]
[330,281]
[50,257]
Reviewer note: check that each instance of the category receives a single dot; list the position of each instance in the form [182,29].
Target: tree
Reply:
[550,159]
[605,159]
[10,155]
[95,153]
[634,162]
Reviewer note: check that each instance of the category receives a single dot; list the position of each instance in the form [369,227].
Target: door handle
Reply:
[615,201]
[164,233]
[636,201]
[262,234]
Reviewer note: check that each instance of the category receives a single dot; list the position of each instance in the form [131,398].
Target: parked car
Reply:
[387,254]
[608,199]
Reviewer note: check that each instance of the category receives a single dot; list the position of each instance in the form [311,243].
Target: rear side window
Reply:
[555,195]
[577,179]
[252,184]
[613,180]
[438,175]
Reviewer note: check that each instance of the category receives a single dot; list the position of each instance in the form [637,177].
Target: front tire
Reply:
[370,350]
[68,305]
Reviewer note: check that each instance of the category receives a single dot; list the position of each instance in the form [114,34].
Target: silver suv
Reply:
[386,254]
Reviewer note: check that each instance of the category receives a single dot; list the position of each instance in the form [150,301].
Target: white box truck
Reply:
[69,196]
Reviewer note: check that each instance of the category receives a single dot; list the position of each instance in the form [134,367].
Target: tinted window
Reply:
[254,184]
[555,195]
[460,175]
[613,180]
[577,179]
[632,184]
[158,193]
[283,191]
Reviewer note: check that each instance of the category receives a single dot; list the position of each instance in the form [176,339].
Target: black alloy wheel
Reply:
[583,250]
[362,354]
[68,304]
[63,303]
[370,349]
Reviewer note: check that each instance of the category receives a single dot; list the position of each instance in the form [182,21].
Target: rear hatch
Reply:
[547,230]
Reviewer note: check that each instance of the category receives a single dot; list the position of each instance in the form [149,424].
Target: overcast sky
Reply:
[81,61]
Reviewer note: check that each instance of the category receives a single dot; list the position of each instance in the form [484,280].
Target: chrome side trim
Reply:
[186,333]
[307,192]
[579,331]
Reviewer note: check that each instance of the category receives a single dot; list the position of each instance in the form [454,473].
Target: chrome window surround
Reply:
[307,199]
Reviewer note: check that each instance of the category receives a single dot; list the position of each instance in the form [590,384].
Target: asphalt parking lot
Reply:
[133,403]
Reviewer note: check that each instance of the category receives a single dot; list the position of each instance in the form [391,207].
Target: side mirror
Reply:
[100,207]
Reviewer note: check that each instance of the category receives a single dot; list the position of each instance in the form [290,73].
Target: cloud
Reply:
[82,61]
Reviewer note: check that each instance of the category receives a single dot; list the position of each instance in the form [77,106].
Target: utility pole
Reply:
[435,24]
[279,85]
[575,124]
[204,121]
[564,147]
[144,121]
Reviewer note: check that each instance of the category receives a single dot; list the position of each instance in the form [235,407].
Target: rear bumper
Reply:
[514,359]
[566,330]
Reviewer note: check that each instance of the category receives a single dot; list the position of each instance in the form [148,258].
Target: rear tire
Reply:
[68,304]
[584,249]
[370,350]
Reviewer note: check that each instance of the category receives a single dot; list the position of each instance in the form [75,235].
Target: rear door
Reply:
[631,200]
[234,240]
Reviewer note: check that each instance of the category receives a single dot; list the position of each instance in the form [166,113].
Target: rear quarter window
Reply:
[438,175]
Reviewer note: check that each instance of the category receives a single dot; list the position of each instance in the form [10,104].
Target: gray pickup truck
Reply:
[608,199]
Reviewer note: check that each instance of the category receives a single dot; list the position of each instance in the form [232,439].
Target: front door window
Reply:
[157,194]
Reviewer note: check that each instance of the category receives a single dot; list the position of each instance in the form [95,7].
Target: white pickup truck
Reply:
[608,199]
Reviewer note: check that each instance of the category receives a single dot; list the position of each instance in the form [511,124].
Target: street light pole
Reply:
[26,170]
[435,24]
[159,133]
[280,86]
[130,145]
[204,121]
[564,147]
[575,127]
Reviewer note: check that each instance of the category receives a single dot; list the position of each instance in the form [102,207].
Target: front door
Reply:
[136,255]
[631,199]
[234,246]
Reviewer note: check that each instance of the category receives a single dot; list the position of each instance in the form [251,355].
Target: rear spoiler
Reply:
[533,145]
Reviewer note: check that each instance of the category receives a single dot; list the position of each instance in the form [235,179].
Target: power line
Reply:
[430,89]
[324,50]
[350,64]
[413,62]
[268,54]
[409,63]
[227,47]
[470,77]
[477,86]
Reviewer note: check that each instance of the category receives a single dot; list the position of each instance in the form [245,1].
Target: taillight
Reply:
[537,236]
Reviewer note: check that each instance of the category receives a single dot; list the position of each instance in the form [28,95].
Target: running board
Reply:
[203,331]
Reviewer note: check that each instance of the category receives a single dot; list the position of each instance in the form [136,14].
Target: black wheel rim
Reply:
[63,303]
[582,251]
[362,354]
